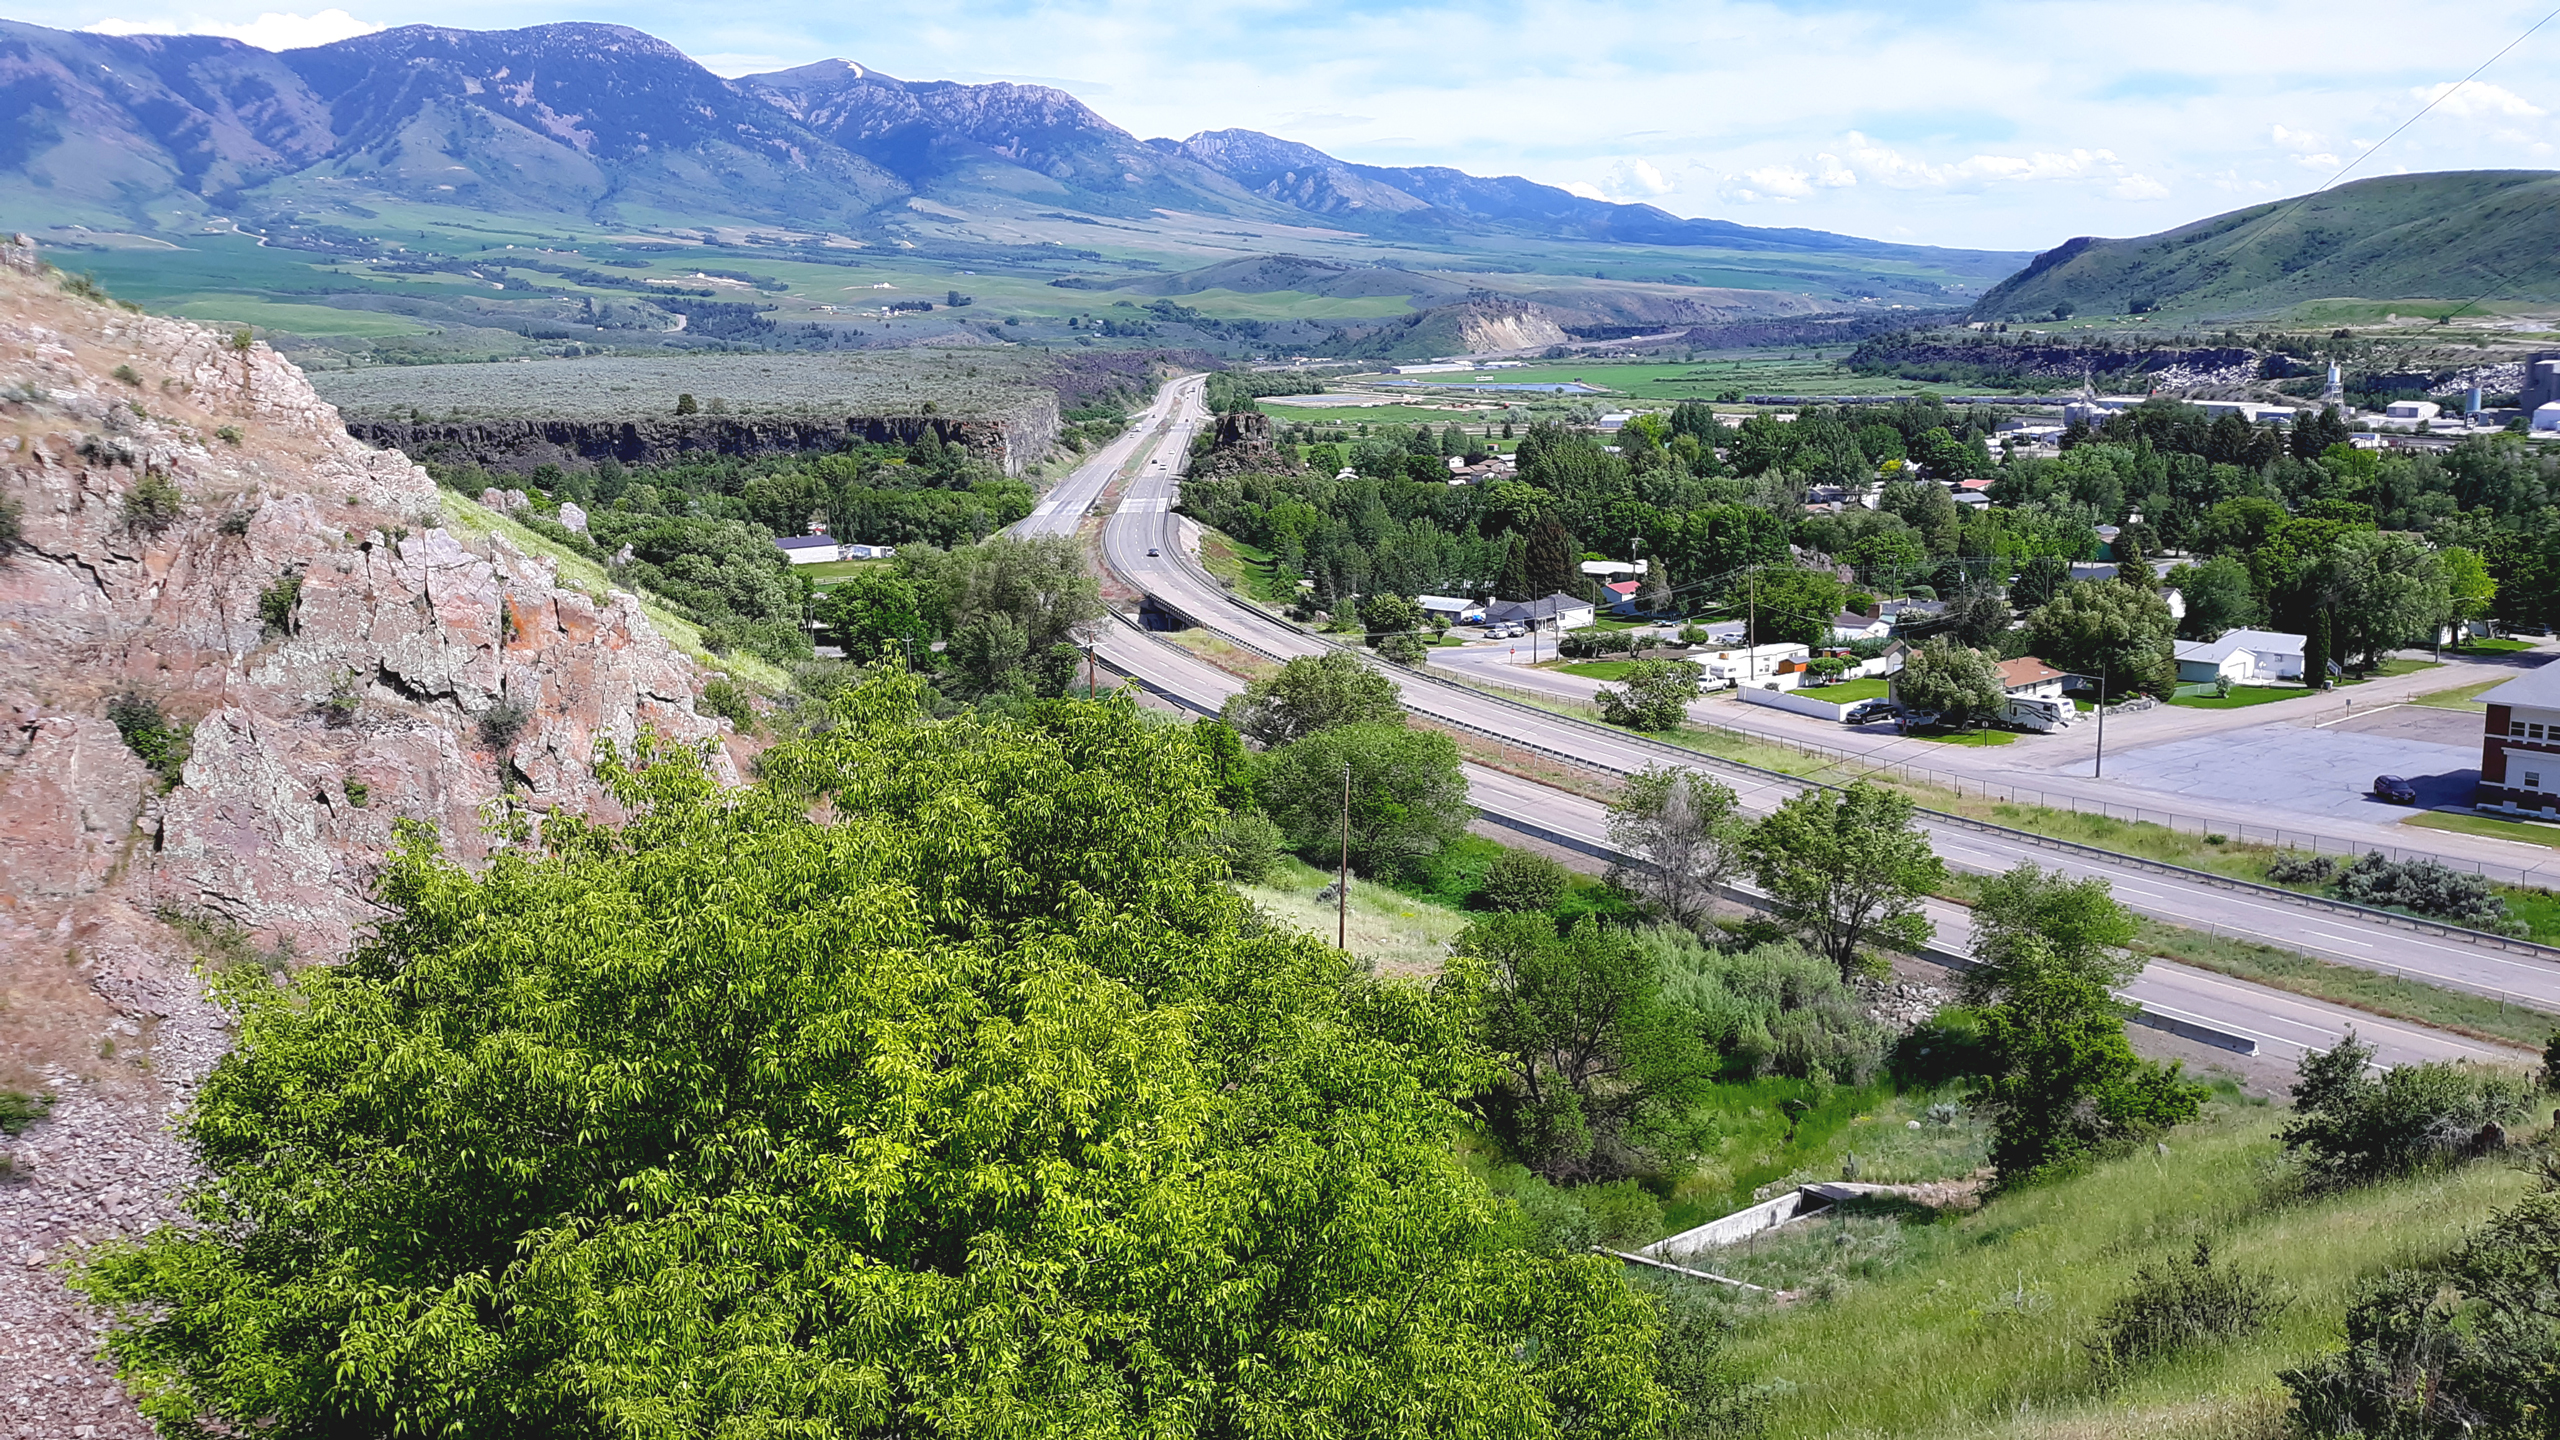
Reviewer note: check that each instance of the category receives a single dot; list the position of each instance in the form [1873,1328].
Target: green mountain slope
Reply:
[2448,236]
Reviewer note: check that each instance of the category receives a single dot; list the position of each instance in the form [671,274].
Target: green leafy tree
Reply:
[1313,693]
[2387,590]
[979,1106]
[2076,924]
[1599,1077]
[1653,695]
[1002,603]
[1795,605]
[1395,624]
[1978,617]
[2111,628]
[1408,797]
[1681,832]
[876,615]
[2471,592]
[1959,684]
[2218,597]
[2352,1127]
[1845,869]
[2066,1087]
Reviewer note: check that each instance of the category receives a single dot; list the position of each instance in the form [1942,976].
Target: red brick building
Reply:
[2520,750]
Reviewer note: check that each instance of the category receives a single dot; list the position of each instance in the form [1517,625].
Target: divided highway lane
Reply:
[1065,505]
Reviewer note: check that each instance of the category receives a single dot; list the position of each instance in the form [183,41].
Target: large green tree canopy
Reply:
[934,1086]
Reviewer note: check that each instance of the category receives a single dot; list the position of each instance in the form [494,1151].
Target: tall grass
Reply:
[1981,1326]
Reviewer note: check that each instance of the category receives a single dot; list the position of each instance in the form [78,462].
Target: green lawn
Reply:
[1978,1326]
[2494,647]
[1850,692]
[831,571]
[1967,737]
[2525,831]
[2242,695]
[2461,697]
[2393,667]
[1598,669]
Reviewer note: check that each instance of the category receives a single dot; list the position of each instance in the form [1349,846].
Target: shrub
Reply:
[2352,1129]
[85,286]
[687,405]
[1655,695]
[13,525]
[1586,644]
[1250,844]
[235,523]
[227,434]
[1522,881]
[2429,888]
[501,723]
[2184,1305]
[161,745]
[2295,867]
[19,1109]
[276,602]
[1946,1047]
[1770,1010]
[126,374]
[345,701]
[153,504]
[728,700]
[358,793]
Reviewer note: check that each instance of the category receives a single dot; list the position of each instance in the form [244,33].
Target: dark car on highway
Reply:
[2395,790]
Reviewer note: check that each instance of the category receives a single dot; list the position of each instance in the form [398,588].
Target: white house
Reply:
[1622,596]
[2546,419]
[1848,625]
[809,549]
[1450,609]
[2240,656]
[1556,612]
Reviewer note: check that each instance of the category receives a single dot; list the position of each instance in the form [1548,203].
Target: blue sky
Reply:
[1998,123]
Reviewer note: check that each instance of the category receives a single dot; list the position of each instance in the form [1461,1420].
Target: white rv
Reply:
[2037,714]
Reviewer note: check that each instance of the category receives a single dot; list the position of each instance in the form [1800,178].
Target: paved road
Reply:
[2282,1022]
[1064,507]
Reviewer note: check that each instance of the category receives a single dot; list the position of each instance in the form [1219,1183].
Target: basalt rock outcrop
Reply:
[515,447]
[185,525]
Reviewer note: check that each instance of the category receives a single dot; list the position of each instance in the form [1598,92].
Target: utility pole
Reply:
[2098,767]
[1751,627]
[1342,877]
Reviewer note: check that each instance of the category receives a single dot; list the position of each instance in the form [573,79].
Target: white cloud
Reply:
[2138,187]
[1633,178]
[2322,161]
[1586,191]
[272,30]
[2298,139]
[2476,100]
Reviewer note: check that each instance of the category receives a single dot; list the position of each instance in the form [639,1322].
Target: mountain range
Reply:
[610,125]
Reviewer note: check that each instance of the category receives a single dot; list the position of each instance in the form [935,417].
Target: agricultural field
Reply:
[883,382]
[1640,382]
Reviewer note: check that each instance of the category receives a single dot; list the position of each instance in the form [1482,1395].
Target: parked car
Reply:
[2395,790]
[1919,719]
[1869,710]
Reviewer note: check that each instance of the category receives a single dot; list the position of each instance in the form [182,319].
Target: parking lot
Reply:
[2304,769]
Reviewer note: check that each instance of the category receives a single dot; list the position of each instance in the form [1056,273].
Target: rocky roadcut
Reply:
[198,539]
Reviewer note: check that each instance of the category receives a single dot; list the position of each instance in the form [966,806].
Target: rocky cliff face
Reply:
[190,529]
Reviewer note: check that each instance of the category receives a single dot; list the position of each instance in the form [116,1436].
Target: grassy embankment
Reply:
[1978,1325]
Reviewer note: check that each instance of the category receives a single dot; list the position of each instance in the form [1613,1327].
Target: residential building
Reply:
[1555,612]
[809,549]
[1754,665]
[1622,596]
[2520,747]
[1450,609]
[1615,568]
[1849,625]
[2032,678]
[2240,656]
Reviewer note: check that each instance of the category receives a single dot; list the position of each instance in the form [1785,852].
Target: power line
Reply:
[2371,150]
